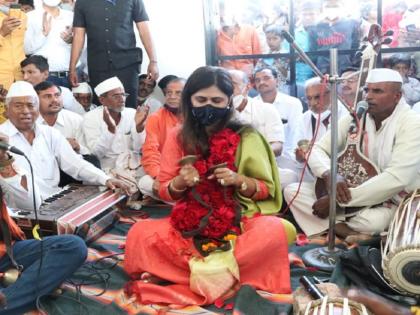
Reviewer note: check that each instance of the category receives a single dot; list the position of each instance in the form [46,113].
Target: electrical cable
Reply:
[36,224]
[311,145]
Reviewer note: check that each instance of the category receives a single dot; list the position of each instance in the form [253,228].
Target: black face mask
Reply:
[173,110]
[208,114]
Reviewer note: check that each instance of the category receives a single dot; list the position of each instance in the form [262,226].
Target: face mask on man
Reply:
[52,3]
[208,114]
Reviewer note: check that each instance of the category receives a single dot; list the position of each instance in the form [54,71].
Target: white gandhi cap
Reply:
[108,85]
[83,88]
[21,88]
[383,75]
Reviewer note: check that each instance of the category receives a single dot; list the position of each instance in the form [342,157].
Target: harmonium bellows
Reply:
[85,210]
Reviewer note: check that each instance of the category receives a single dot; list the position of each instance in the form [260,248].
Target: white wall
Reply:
[178,33]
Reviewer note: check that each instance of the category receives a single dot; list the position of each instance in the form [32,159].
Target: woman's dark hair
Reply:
[193,135]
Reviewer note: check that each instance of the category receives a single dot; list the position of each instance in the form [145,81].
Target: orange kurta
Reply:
[157,128]
[155,246]
[245,41]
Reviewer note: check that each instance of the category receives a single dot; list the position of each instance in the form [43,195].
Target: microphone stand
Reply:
[325,258]
[41,242]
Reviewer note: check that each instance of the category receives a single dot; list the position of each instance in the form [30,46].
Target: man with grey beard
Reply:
[113,132]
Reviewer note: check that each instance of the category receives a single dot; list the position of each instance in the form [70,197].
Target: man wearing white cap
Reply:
[113,132]
[45,147]
[391,142]
[83,94]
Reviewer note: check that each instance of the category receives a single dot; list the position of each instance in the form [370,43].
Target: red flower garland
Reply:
[187,213]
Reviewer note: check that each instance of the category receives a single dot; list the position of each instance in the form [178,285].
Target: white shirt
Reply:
[304,131]
[416,107]
[48,153]
[107,146]
[70,126]
[69,102]
[264,117]
[52,46]
[290,109]
[411,90]
[400,172]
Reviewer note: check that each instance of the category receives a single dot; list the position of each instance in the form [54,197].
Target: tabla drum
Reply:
[335,306]
[401,252]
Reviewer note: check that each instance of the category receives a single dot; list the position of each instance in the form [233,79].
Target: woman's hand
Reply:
[188,177]
[226,177]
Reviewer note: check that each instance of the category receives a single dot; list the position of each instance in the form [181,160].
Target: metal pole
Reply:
[334,153]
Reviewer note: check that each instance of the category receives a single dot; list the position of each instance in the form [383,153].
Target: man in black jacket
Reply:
[111,43]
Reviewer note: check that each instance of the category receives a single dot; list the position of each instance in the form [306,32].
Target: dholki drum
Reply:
[401,252]
[335,306]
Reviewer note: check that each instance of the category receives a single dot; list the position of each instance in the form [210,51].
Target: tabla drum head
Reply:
[403,270]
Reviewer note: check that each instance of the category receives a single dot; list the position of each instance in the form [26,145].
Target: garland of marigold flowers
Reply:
[208,198]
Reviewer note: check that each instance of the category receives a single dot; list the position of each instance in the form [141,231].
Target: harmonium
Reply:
[87,211]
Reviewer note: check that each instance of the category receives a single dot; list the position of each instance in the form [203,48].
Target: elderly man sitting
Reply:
[115,133]
[83,94]
[391,142]
[45,147]
[157,128]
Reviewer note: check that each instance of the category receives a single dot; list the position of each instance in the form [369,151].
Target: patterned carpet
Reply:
[98,286]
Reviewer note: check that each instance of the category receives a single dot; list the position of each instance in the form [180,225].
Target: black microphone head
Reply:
[361,108]
[5,146]
[16,151]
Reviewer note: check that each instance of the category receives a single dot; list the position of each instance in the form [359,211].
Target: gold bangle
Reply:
[178,191]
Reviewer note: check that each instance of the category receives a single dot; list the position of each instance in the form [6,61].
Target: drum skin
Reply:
[401,252]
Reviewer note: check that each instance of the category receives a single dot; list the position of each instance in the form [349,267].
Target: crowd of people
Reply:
[225,162]
[318,27]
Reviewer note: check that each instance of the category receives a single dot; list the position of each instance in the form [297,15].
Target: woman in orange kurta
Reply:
[216,238]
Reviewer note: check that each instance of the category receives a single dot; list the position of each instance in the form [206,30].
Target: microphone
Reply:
[361,108]
[5,146]
[311,288]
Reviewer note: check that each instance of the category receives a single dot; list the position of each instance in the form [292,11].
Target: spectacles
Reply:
[119,95]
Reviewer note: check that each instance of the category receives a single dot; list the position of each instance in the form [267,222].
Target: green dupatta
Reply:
[255,159]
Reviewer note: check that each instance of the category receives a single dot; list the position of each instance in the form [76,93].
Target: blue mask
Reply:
[208,114]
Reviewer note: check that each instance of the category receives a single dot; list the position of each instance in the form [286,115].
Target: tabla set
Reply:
[401,250]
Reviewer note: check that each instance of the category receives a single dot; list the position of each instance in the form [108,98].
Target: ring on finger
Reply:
[222,182]
[196,179]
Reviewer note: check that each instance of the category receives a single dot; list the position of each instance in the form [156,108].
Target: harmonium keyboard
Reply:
[88,211]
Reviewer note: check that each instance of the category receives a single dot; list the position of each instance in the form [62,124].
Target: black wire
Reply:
[36,223]
[104,277]
[82,307]
[96,273]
